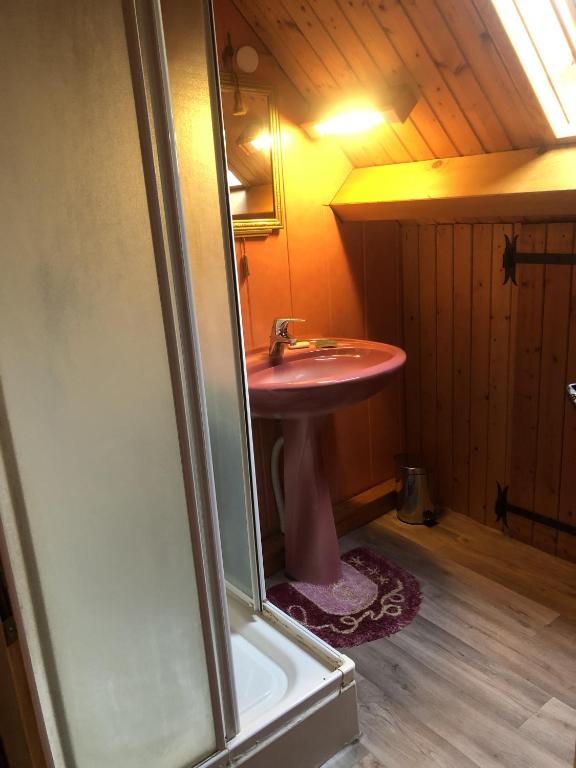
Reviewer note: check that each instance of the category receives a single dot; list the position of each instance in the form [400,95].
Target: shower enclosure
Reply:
[129,525]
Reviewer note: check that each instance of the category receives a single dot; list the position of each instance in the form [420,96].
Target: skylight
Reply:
[543,33]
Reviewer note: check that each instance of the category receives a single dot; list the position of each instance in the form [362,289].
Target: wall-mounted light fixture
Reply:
[255,137]
[353,113]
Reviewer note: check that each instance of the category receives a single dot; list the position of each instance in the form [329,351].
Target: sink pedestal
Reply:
[307,384]
[311,542]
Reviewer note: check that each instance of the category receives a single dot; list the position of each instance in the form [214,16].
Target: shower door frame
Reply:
[166,137]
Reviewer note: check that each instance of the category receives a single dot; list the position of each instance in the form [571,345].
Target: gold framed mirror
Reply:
[254,154]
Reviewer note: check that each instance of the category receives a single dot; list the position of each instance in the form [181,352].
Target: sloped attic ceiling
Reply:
[473,94]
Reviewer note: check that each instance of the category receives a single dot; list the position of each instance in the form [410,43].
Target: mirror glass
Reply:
[252,138]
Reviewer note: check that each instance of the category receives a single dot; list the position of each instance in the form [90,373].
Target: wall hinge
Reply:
[502,508]
[511,257]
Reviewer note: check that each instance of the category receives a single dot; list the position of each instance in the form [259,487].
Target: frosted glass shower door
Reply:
[198,141]
[98,527]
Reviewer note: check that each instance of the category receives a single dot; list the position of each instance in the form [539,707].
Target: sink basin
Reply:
[318,381]
[300,389]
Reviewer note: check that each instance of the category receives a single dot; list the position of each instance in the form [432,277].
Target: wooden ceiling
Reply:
[473,94]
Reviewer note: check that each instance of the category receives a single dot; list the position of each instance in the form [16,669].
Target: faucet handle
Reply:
[280,325]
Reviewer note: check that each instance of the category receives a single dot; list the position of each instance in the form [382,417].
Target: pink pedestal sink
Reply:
[306,385]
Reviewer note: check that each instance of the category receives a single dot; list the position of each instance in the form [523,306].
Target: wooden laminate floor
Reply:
[486,673]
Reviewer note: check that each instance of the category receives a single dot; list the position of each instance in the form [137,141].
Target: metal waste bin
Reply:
[414,504]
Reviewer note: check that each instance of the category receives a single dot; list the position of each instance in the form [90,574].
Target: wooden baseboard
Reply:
[348,516]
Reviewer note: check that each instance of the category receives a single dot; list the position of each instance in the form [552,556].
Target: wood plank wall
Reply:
[487,370]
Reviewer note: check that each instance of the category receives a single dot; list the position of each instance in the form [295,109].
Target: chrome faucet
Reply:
[279,337]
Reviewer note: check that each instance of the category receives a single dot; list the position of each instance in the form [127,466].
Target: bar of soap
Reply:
[299,345]
[325,343]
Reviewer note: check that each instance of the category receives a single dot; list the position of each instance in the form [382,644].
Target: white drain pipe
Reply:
[276,485]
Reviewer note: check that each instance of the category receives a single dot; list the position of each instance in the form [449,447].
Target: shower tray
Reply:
[286,691]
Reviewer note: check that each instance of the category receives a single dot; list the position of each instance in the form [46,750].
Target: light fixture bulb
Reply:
[354,121]
[344,113]
[255,137]
[262,143]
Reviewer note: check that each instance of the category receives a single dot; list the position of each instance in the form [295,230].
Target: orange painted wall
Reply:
[344,279]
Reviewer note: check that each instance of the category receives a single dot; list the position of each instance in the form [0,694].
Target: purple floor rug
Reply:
[374,598]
